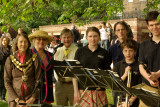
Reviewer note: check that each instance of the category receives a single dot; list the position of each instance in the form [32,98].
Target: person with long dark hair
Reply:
[5,51]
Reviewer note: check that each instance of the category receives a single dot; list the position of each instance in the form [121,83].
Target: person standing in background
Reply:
[104,36]
[77,36]
[5,51]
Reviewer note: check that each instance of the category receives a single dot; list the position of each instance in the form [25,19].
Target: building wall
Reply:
[138,26]
[134,9]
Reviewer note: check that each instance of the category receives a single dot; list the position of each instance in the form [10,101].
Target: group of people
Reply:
[28,73]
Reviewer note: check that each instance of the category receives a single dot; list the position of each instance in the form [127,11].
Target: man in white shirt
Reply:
[104,36]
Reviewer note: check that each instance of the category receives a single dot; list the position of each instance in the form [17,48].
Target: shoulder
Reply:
[113,47]
[81,49]
[73,46]
[145,42]
[102,50]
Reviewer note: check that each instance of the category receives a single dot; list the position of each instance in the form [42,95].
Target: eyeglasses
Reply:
[43,39]
[118,30]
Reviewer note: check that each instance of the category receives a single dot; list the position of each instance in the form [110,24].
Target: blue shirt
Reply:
[115,53]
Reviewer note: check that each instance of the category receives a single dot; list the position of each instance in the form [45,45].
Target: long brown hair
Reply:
[1,39]
[14,47]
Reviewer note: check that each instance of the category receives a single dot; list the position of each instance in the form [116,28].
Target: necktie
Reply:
[66,52]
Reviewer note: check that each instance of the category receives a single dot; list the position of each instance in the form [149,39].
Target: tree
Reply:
[152,5]
[34,13]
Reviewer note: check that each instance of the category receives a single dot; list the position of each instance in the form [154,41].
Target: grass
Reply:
[3,104]
[109,96]
[108,92]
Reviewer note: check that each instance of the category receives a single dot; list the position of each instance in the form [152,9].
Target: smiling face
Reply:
[4,42]
[67,39]
[22,44]
[40,43]
[93,38]
[154,27]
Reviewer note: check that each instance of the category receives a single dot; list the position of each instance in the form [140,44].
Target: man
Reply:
[104,36]
[64,92]
[77,36]
[121,30]
[149,55]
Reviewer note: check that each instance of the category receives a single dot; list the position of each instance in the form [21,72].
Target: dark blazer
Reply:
[4,53]
[47,89]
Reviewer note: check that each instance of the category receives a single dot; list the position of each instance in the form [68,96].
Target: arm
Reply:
[76,91]
[154,83]
[154,75]
[8,80]
[38,73]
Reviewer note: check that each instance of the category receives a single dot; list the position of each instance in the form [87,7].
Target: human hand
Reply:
[127,69]
[21,101]
[154,76]
[30,101]
[154,83]
[77,96]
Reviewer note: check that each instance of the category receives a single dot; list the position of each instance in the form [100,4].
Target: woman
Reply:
[22,73]
[5,51]
[40,39]
[94,57]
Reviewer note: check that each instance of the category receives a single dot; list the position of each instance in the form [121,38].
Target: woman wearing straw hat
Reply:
[40,39]
[21,73]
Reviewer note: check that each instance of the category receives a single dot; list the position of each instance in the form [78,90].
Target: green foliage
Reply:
[27,14]
[152,5]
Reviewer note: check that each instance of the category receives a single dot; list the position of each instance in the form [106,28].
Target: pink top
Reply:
[22,58]
[45,62]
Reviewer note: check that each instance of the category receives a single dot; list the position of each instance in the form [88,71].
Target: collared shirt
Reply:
[93,60]
[21,58]
[59,55]
[135,74]
[104,35]
[149,54]
[116,53]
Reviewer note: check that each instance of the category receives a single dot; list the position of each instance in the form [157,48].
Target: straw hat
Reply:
[40,34]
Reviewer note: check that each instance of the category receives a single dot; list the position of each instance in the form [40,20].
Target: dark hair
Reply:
[14,47]
[66,30]
[129,43]
[127,27]
[151,16]
[92,29]
[8,40]
[103,23]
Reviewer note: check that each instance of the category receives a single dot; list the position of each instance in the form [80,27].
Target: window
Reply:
[130,0]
